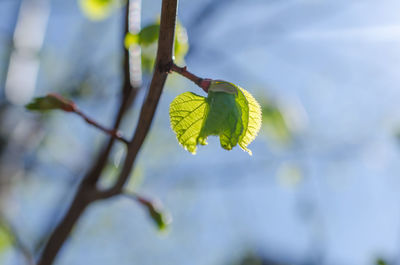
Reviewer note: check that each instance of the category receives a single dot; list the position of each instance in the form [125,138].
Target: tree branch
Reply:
[87,191]
[204,83]
[161,69]
[114,133]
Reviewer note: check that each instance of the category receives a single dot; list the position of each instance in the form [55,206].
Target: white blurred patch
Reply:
[28,40]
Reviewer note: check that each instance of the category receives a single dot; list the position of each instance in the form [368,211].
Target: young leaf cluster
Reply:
[228,111]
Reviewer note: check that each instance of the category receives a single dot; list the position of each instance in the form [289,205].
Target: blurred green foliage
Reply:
[275,126]
[97,10]
[381,262]
[147,39]
[5,238]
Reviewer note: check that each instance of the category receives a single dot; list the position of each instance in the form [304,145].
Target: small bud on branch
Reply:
[55,101]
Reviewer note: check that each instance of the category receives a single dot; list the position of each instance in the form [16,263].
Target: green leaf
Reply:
[98,9]
[229,112]
[251,117]
[149,34]
[51,102]
[223,119]
[157,214]
[187,114]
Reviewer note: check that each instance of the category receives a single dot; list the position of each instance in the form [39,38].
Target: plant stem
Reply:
[163,60]
[87,191]
[204,83]
[114,133]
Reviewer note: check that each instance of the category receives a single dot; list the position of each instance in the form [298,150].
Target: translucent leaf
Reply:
[98,9]
[229,112]
[51,102]
[224,119]
[223,86]
[187,114]
[251,117]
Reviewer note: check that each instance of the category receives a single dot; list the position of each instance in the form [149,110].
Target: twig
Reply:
[163,60]
[114,133]
[87,191]
[128,96]
[70,106]
[204,83]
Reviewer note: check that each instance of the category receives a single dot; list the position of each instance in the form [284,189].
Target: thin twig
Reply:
[87,191]
[204,83]
[163,60]
[128,96]
[70,106]
[114,133]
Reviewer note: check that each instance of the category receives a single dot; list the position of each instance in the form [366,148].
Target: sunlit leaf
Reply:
[229,112]
[51,102]
[223,119]
[161,218]
[251,117]
[98,9]
[187,114]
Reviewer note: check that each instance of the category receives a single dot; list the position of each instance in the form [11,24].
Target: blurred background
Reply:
[322,186]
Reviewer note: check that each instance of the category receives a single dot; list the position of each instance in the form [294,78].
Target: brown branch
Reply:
[163,61]
[128,95]
[204,83]
[114,133]
[87,191]
[69,106]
